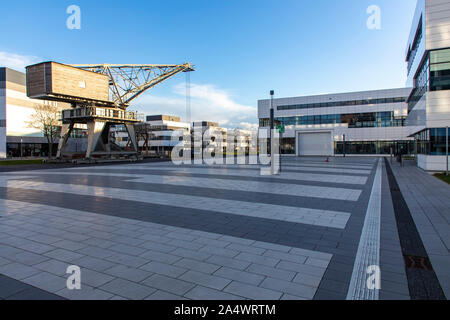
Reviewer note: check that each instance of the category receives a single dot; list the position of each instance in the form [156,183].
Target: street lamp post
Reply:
[272,154]
[446,148]
[344,145]
[21,148]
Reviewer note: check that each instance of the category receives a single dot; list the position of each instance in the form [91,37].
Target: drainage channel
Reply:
[423,283]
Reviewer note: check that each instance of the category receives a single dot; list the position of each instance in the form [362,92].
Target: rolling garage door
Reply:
[314,144]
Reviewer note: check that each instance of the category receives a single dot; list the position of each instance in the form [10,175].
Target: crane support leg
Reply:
[65,134]
[95,129]
[132,135]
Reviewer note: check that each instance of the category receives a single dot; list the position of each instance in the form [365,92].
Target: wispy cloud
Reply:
[208,102]
[16,61]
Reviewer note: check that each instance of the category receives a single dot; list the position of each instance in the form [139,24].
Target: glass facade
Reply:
[354,120]
[432,141]
[342,103]
[359,147]
[433,75]
[15,150]
[374,147]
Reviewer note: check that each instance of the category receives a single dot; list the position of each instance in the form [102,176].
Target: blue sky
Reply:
[241,49]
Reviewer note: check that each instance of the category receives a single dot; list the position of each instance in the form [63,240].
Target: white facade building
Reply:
[161,136]
[368,122]
[428,58]
[17,138]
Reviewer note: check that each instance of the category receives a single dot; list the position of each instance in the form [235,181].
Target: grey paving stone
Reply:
[202,293]
[175,286]
[162,295]
[296,289]
[119,298]
[160,256]
[197,265]
[128,260]
[228,262]
[219,251]
[252,292]
[127,289]
[130,250]
[97,242]
[285,256]
[55,267]
[63,255]
[93,263]
[6,251]
[258,259]
[246,248]
[18,271]
[96,252]
[43,238]
[69,245]
[271,272]
[128,273]
[316,262]
[47,281]
[291,297]
[94,278]
[206,280]
[186,253]
[28,258]
[4,261]
[271,246]
[164,269]
[85,293]
[241,276]
[307,279]
[157,247]
[212,242]
[184,244]
[307,269]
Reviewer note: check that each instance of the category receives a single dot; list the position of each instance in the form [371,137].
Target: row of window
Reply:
[354,120]
[432,141]
[358,147]
[342,103]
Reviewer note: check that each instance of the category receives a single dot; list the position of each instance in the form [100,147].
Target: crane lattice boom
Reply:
[128,81]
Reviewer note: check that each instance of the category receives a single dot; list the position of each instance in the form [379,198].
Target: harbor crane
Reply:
[126,83]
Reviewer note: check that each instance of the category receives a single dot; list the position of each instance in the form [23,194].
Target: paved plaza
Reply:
[160,231]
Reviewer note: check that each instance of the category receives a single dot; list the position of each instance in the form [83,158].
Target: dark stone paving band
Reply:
[423,283]
[224,177]
[12,289]
[283,169]
[247,196]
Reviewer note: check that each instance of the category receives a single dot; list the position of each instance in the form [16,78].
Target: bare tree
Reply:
[46,117]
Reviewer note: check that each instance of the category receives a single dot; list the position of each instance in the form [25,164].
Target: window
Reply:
[341,103]
[440,70]
[431,141]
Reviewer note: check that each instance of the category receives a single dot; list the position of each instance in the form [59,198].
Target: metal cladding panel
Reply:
[315,144]
[50,80]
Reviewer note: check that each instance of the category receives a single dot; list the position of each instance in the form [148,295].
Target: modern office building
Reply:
[17,138]
[359,123]
[159,132]
[428,67]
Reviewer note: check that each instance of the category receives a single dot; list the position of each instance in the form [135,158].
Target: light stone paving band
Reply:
[369,246]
